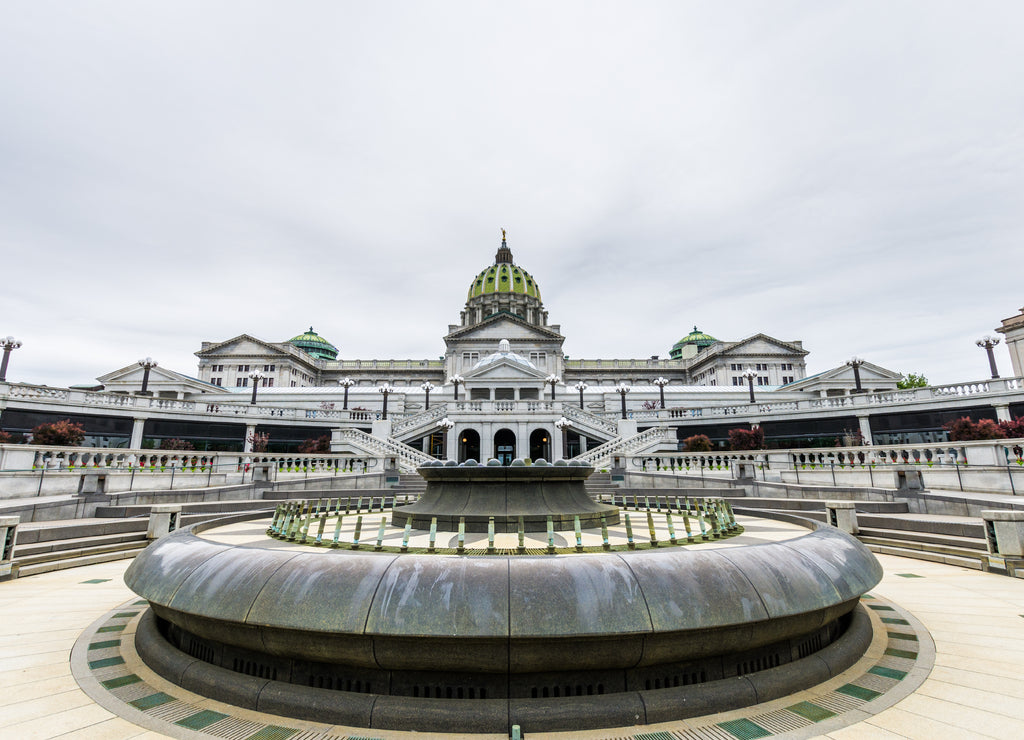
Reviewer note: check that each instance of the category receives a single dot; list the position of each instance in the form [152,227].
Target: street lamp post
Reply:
[456,380]
[346,383]
[8,344]
[581,386]
[563,425]
[446,425]
[855,363]
[256,378]
[661,383]
[386,390]
[146,364]
[988,342]
[750,375]
[426,388]
[622,389]
[552,380]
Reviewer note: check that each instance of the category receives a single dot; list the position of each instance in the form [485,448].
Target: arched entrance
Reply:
[505,446]
[540,445]
[469,445]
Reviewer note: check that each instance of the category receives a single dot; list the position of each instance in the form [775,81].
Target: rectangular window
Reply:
[293,384]
[470,358]
[735,368]
[762,380]
[243,368]
[479,394]
[268,368]
[786,366]
[787,379]
[215,381]
[241,382]
[529,394]
[738,381]
[762,367]
[540,359]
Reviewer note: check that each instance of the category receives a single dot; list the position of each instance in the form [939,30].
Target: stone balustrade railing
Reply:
[408,458]
[575,414]
[412,421]
[624,446]
[24,458]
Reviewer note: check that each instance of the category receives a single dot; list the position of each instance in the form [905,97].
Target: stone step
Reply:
[955,526]
[73,543]
[927,547]
[78,552]
[75,562]
[199,507]
[805,504]
[969,543]
[974,563]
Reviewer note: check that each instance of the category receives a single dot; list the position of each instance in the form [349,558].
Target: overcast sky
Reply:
[848,174]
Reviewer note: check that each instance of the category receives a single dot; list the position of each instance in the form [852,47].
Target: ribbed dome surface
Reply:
[314,344]
[504,277]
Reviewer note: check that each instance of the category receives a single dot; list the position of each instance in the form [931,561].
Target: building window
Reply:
[268,382]
[243,368]
[738,381]
[787,379]
[293,384]
[215,381]
[241,382]
[470,358]
[540,359]
[735,368]
[216,368]
[269,368]
[763,367]
[762,380]
[786,366]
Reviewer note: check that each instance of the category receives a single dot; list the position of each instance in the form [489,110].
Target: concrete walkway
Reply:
[976,688]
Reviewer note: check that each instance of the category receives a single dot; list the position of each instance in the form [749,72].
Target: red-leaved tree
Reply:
[64,433]
[746,439]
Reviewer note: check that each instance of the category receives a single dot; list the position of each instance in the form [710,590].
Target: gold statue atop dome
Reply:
[503,235]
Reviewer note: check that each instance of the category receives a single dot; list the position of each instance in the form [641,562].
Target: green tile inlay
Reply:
[153,700]
[273,732]
[894,620]
[901,653]
[116,683]
[105,662]
[867,596]
[202,719]
[111,628]
[858,692]
[881,608]
[744,729]
[104,644]
[881,670]
[909,575]
[902,636]
[96,580]
[120,615]
[811,711]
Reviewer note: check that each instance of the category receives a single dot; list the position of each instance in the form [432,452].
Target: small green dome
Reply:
[503,277]
[695,337]
[314,344]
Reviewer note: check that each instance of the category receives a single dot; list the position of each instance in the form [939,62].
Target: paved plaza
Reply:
[969,686]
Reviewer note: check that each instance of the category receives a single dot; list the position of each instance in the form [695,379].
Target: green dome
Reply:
[695,337]
[314,344]
[504,277]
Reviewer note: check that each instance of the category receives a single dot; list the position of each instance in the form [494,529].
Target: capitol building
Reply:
[505,389]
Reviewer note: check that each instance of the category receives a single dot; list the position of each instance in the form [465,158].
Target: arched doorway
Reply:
[540,445]
[469,445]
[505,446]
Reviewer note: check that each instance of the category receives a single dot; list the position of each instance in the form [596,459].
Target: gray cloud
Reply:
[848,174]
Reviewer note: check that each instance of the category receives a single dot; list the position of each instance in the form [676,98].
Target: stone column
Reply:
[486,442]
[864,422]
[163,519]
[1003,412]
[842,515]
[1004,531]
[250,430]
[138,426]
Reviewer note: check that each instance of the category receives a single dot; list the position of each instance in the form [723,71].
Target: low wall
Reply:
[1004,480]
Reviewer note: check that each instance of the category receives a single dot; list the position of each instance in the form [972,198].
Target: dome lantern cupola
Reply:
[313,344]
[504,287]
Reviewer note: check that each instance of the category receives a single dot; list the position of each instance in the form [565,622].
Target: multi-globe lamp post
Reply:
[562,425]
[426,388]
[661,383]
[750,375]
[146,364]
[456,380]
[855,363]
[255,378]
[552,380]
[580,387]
[8,344]
[346,383]
[622,389]
[988,343]
[385,390]
[445,425]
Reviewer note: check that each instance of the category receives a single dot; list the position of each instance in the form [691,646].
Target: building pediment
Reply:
[129,378]
[504,326]
[505,369]
[871,377]
[762,344]
[242,345]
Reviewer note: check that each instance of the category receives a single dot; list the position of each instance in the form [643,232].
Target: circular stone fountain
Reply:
[478,643]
